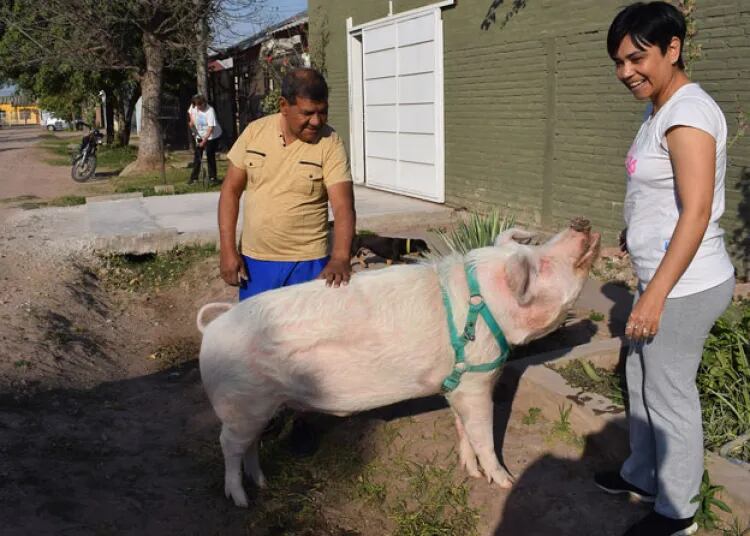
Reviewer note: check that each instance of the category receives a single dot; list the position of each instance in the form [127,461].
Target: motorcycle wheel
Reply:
[83,168]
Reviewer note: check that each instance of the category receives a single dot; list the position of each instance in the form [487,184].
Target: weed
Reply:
[436,507]
[562,429]
[562,425]
[706,499]
[585,376]
[22,363]
[596,316]
[532,417]
[135,272]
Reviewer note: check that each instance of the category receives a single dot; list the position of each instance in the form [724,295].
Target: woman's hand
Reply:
[645,317]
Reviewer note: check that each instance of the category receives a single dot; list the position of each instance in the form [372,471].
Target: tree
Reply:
[138,38]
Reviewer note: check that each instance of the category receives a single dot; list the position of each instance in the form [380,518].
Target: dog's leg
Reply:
[475,411]
[466,454]
[251,465]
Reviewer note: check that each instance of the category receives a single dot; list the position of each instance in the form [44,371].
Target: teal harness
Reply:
[477,307]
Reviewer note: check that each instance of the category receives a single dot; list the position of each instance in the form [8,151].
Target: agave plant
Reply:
[476,230]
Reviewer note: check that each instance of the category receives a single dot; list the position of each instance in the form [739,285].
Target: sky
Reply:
[274,11]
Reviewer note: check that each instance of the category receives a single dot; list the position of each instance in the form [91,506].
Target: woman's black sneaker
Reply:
[612,482]
[658,525]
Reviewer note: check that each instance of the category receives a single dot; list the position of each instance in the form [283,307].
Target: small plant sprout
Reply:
[532,417]
[705,516]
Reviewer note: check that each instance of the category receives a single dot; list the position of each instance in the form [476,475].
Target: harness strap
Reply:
[477,307]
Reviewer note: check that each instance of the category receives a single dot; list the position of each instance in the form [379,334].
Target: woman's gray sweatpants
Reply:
[666,432]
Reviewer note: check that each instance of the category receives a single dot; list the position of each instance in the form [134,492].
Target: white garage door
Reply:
[403,113]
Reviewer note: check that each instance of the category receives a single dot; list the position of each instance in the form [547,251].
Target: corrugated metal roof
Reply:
[294,20]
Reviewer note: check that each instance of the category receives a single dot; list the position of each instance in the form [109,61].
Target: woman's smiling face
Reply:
[646,71]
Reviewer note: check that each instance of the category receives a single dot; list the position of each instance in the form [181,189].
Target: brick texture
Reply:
[535,120]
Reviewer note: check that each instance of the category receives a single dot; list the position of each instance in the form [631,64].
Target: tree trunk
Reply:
[201,58]
[109,114]
[149,145]
[128,109]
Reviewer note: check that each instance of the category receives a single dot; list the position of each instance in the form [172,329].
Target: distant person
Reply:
[208,132]
[674,199]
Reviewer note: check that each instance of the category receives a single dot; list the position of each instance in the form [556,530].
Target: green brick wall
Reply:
[535,120]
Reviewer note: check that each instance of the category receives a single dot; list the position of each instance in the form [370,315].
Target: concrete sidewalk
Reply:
[131,223]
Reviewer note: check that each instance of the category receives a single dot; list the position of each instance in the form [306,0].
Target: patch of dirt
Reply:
[105,429]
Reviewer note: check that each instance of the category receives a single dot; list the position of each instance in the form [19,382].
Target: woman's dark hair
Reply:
[306,83]
[655,23]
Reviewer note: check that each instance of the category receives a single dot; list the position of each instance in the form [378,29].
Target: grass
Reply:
[115,158]
[137,272]
[596,316]
[146,182]
[434,505]
[724,380]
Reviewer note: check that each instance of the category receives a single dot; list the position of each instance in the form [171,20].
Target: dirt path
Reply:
[24,172]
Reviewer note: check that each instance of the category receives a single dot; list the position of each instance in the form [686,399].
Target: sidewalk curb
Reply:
[535,384]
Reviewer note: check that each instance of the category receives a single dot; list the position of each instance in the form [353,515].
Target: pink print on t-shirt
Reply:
[630,163]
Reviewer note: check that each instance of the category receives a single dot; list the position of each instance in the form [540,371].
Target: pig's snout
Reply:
[582,225]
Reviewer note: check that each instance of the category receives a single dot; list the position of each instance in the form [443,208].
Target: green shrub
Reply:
[476,230]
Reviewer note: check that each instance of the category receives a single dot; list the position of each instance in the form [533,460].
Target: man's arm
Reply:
[230,263]
[339,268]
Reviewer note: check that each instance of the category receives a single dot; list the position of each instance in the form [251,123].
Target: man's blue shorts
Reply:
[268,275]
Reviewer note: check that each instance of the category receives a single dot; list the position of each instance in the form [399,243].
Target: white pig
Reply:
[382,339]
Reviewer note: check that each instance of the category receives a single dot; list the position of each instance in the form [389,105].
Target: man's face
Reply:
[305,118]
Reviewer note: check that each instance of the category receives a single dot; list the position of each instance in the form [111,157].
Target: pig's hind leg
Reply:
[239,440]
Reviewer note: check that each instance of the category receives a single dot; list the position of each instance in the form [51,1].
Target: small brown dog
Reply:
[389,248]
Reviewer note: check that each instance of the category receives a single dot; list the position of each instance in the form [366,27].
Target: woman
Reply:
[675,197]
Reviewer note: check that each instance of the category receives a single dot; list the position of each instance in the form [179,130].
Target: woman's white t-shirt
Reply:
[204,119]
[652,205]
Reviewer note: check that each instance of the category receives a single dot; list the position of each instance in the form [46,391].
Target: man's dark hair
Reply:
[198,99]
[655,23]
[306,83]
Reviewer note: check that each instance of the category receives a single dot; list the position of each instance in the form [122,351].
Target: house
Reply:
[479,103]
[17,109]
[244,73]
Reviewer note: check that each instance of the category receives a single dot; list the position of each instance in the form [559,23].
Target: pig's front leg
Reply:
[466,454]
[475,411]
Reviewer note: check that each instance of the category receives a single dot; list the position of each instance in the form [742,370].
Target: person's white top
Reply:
[652,206]
[204,119]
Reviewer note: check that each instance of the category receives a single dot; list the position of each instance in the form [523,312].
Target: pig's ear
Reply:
[518,278]
[514,234]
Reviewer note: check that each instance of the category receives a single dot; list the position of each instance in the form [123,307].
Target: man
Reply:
[289,165]
[203,119]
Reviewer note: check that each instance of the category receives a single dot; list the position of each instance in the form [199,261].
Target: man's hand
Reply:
[337,272]
[232,268]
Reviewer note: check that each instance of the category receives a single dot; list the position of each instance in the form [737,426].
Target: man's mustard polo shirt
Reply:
[286,202]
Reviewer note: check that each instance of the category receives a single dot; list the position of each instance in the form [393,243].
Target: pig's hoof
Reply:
[237,494]
[471,468]
[501,478]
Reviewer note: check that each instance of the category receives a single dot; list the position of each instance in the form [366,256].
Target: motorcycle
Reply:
[84,162]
